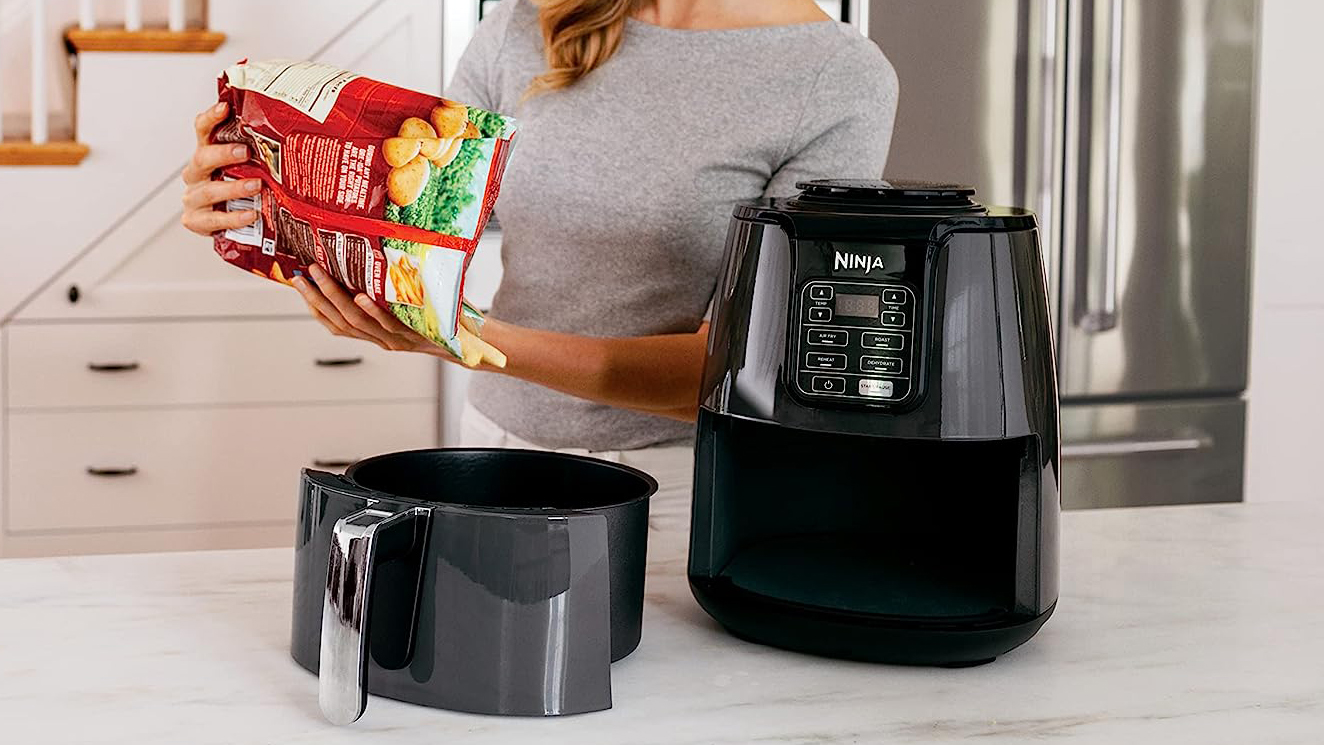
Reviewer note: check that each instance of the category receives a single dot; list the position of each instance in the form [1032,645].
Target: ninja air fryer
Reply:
[876,471]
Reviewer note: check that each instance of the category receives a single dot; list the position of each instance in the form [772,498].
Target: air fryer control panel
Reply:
[855,341]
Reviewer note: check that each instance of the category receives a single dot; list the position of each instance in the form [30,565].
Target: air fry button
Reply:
[829,337]
[827,384]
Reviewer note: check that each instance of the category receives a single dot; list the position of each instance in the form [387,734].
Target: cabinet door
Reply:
[172,363]
[189,468]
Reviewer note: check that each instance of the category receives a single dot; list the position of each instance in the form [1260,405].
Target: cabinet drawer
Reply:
[189,467]
[203,362]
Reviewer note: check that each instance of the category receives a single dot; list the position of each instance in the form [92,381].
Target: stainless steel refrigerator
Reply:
[1128,126]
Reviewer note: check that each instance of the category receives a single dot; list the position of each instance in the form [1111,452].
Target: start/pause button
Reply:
[827,384]
[876,388]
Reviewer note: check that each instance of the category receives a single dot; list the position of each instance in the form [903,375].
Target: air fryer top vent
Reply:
[927,197]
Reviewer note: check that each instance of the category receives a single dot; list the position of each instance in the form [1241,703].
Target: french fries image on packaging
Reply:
[406,281]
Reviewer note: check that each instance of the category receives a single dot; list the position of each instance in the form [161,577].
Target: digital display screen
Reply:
[857,306]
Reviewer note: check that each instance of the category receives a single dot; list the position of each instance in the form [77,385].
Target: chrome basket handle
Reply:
[342,688]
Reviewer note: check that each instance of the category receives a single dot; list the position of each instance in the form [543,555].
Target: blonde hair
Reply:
[578,37]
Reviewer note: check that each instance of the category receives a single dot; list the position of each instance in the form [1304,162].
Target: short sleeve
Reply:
[845,129]
[475,79]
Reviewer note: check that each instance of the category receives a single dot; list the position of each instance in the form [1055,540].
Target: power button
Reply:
[827,384]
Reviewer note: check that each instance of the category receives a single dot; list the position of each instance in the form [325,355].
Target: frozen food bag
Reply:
[385,188]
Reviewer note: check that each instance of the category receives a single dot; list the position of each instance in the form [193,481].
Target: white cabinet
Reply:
[174,434]
[184,468]
[162,363]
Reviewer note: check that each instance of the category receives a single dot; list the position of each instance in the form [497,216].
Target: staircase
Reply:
[156,398]
[39,148]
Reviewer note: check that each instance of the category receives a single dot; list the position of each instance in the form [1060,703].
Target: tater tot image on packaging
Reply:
[385,188]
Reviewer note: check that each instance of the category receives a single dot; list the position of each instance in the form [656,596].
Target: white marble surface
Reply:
[1176,625]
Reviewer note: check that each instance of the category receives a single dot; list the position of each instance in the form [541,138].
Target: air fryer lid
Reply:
[881,195]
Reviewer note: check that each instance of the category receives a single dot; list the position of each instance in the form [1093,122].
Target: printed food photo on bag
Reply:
[385,188]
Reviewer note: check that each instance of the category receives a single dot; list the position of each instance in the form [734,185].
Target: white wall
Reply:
[1285,458]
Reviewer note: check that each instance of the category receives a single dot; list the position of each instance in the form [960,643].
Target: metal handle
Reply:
[112,366]
[1050,166]
[342,688]
[338,361]
[122,471]
[331,463]
[1109,448]
[1101,294]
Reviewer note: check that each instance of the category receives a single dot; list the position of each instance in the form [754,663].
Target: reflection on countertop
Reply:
[1195,624]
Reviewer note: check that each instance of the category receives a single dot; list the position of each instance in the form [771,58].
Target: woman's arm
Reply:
[653,374]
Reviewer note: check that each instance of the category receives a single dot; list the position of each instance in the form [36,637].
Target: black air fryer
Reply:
[876,470]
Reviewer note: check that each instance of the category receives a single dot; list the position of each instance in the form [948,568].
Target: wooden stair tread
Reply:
[146,40]
[45,154]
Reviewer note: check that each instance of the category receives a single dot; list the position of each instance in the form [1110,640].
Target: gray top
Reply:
[615,202]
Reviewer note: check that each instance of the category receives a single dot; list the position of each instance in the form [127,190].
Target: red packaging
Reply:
[387,189]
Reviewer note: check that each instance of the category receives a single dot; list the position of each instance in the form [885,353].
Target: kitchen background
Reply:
[155,398]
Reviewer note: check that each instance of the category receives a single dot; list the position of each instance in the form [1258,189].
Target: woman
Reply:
[642,123]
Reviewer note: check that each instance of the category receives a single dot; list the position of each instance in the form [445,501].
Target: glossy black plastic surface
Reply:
[439,599]
[916,527]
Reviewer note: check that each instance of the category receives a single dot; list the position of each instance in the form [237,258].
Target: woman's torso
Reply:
[615,203]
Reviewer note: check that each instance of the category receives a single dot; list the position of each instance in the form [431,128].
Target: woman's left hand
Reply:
[357,317]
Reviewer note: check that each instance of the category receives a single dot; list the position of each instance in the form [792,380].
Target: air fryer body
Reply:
[877,450]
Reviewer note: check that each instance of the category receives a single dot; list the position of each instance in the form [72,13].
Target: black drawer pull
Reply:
[331,463]
[338,361]
[111,472]
[112,366]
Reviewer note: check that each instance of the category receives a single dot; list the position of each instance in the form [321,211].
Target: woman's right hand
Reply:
[200,192]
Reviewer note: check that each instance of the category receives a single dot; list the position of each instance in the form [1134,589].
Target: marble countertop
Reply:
[1176,625]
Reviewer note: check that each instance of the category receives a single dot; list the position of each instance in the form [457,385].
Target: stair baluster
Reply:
[38,134]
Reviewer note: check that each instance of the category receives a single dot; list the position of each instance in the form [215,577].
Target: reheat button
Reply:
[825,361]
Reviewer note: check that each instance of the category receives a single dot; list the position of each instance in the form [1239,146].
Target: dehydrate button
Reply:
[885,365]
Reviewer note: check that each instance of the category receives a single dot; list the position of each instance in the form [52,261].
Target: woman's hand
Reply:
[358,317]
[653,374]
[200,192]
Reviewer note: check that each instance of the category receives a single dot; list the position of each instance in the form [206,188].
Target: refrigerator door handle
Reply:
[1050,184]
[1100,312]
[1110,448]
